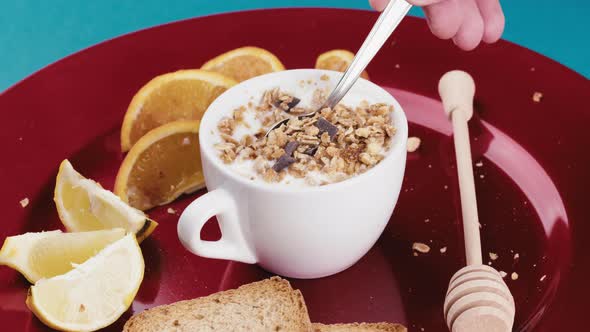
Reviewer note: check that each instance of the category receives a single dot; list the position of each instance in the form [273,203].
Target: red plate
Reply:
[531,185]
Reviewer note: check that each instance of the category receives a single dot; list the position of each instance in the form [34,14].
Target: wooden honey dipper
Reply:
[478,298]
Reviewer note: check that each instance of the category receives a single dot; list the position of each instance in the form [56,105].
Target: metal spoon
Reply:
[389,19]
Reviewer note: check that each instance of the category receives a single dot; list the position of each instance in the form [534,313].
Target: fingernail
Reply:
[381,5]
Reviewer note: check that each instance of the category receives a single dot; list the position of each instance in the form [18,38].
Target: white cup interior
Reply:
[291,82]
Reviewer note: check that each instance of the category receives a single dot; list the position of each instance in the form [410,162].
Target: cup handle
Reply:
[232,245]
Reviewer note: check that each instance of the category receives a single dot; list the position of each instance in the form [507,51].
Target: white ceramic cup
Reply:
[293,231]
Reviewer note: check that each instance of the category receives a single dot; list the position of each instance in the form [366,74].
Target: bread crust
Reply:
[267,305]
[359,327]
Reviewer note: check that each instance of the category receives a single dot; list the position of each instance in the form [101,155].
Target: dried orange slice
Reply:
[181,95]
[244,63]
[337,60]
[162,165]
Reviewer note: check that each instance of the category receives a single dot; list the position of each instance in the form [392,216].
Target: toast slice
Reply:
[267,305]
[359,327]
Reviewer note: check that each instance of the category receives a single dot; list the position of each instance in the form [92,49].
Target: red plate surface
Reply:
[531,184]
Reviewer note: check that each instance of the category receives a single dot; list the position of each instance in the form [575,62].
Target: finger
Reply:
[379,5]
[471,31]
[422,3]
[444,18]
[493,19]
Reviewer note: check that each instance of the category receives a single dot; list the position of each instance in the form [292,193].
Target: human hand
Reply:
[467,22]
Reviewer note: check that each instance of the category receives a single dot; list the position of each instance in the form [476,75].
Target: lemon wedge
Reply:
[94,294]
[48,254]
[83,205]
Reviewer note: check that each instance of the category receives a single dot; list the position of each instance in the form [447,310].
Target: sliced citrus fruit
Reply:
[95,293]
[244,63]
[181,95]
[337,60]
[48,254]
[83,205]
[162,165]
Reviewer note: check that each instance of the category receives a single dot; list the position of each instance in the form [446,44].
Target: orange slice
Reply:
[244,63]
[181,95]
[337,60]
[162,165]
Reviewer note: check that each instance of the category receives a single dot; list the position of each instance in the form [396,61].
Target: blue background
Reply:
[34,33]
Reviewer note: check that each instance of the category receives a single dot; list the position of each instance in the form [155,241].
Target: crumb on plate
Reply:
[421,247]
[24,202]
[413,143]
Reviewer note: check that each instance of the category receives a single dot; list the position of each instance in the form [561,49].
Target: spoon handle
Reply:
[386,23]
[456,89]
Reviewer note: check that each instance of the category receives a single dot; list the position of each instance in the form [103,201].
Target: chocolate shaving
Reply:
[311,150]
[290,104]
[325,126]
[283,162]
[291,147]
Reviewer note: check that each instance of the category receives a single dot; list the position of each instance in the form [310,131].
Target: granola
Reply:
[331,146]
[413,144]
[421,247]
[24,202]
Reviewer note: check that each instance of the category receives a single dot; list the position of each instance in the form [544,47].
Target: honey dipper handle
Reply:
[456,89]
